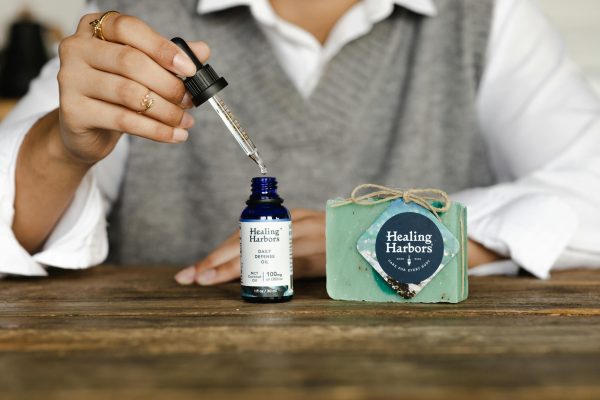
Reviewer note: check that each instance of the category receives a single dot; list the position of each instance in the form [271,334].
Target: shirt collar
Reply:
[424,7]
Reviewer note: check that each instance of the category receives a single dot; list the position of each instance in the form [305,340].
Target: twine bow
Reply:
[379,194]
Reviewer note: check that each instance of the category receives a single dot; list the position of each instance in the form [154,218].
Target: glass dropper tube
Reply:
[204,85]
[237,131]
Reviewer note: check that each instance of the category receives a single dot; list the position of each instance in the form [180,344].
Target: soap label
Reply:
[266,258]
[407,246]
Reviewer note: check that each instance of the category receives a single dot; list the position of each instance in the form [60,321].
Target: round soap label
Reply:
[409,247]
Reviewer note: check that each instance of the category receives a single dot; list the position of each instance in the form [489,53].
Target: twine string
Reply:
[379,194]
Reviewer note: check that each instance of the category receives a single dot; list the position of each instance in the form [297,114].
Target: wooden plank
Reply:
[132,332]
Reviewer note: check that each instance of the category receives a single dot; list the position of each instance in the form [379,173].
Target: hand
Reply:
[223,264]
[102,84]
[479,255]
[308,231]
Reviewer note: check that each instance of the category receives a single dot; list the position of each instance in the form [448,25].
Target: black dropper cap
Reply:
[206,82]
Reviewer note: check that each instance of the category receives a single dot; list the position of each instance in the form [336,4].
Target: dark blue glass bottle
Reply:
[266,245]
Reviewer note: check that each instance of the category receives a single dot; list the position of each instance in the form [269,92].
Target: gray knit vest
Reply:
[395,107]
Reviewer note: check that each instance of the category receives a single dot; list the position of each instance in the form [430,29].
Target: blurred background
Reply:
[577,20]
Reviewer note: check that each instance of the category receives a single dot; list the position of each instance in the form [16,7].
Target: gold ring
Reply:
[97,24]
[146,102]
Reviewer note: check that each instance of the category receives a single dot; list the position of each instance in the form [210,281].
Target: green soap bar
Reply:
[351,277]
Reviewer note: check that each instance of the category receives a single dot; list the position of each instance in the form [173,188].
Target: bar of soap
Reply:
[351,277]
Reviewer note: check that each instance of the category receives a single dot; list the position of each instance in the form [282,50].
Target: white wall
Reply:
[578,20]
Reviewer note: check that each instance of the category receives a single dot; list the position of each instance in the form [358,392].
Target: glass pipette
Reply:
[205,85]
[237,131]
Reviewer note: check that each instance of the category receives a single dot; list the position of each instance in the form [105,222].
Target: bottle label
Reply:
[266,258]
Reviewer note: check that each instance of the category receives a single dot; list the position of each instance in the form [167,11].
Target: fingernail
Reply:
[187,101]
[179,135]
[186,276]
[206,277]
[187,121]
[183,65]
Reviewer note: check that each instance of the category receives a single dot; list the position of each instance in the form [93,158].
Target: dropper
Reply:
[205,85]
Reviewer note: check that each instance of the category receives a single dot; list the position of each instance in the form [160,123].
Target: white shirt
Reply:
[538,116]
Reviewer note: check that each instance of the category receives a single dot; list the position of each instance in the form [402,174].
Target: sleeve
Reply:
[79,240]
[541,123]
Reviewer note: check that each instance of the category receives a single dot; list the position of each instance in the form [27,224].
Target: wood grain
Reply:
[132,332]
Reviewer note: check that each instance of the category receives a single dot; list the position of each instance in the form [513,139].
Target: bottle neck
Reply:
[264,190]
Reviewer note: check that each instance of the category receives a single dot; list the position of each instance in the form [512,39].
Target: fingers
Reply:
[222,265]
[310,266]
[227,251]
[132,31]
[131,63]
[201,50]
[308,245]
[220,274]
[122,91]
[102,84]
[311,226]
[308,223]
[478,254]
[302,213]
[210,275]
[116,118]
[84,24]
[308,262]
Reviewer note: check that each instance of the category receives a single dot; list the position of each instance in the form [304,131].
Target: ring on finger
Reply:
[97,24]
[146,102]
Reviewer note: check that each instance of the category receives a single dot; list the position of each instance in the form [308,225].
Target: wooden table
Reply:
[132,332]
